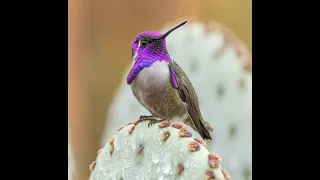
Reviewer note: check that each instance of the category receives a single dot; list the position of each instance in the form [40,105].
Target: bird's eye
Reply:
[143,43]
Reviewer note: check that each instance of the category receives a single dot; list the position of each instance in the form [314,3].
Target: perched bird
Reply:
[160,84]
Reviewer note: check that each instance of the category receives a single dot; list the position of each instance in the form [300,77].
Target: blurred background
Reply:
[100,33]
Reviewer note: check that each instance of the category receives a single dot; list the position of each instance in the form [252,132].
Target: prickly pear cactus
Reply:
[162,151]
[219,66]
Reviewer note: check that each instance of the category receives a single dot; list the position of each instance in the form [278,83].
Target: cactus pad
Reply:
[158,152]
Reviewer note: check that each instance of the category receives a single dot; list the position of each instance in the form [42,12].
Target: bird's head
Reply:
[148,47]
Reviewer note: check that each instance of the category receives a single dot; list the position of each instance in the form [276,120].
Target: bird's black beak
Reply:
[172,29]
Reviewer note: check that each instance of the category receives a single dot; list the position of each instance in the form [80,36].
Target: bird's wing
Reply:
[189,96]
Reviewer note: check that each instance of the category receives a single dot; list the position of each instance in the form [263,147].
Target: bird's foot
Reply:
[141,118]
[154,121]
[145,118]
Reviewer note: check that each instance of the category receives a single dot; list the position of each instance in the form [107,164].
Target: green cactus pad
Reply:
[158,152]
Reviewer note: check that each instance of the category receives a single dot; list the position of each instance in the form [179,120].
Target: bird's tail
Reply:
[201,126]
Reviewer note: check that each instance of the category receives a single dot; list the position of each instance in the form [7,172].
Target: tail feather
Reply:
[197,125]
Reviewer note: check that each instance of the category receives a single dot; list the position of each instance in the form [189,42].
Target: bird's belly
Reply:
[161,101]
[162,104]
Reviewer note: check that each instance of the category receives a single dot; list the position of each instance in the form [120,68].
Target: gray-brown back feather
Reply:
[189,96]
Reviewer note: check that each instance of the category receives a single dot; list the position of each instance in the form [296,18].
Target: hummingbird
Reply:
[161,86]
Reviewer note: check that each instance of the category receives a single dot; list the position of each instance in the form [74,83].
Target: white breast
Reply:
[154,75]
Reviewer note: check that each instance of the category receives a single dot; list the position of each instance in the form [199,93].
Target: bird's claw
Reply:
[145,118]
[154,122]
